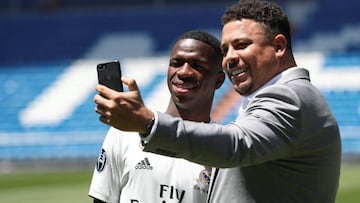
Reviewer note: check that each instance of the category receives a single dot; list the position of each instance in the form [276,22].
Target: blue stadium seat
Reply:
[342,59]
[345,106]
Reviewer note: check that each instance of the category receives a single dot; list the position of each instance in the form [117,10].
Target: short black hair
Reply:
[269,14]
[204,37]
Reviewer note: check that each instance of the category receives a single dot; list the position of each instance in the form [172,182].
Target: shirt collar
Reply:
[246,99]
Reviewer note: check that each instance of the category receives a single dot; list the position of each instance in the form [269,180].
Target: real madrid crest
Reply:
[101,161]
[204,177]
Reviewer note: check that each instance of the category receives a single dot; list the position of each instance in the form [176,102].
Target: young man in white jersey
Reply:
[125,173]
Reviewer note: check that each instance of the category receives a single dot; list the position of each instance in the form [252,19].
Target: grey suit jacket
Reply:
[285,147]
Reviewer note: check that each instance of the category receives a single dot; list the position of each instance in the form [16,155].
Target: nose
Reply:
[231,59]
[185,70]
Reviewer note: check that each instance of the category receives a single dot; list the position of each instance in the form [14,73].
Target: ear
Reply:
[280,44]
[220,78]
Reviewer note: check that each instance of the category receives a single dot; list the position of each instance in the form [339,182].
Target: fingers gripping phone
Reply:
[109,74]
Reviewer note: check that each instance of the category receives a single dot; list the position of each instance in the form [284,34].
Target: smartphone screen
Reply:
[109,74]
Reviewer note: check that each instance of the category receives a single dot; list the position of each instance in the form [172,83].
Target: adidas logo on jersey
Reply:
[144,164]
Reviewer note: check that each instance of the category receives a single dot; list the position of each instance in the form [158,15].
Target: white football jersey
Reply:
[124,173]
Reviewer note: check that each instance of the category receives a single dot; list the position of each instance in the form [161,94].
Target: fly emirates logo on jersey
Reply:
[168,193]
[171,192]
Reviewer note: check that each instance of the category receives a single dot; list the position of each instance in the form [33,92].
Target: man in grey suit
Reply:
[285,144]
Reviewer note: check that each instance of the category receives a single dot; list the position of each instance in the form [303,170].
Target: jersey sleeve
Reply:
[105,183]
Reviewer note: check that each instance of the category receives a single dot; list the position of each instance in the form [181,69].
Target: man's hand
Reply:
[123,110]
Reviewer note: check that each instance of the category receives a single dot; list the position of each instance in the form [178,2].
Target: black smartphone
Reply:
[109,74]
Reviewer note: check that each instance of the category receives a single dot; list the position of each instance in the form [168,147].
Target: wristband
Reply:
[148,128]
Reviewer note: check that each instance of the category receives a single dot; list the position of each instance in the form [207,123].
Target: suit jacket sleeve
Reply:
[265,131]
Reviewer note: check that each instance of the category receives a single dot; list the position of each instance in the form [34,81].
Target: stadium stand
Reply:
[48,59]
[330,26]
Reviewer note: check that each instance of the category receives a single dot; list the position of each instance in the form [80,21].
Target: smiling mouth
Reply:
[239,71]
[185,87]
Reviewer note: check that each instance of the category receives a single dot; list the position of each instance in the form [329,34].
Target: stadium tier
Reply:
[48,73]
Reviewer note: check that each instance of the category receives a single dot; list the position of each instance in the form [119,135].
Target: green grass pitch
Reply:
[49,187]
[73,186]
